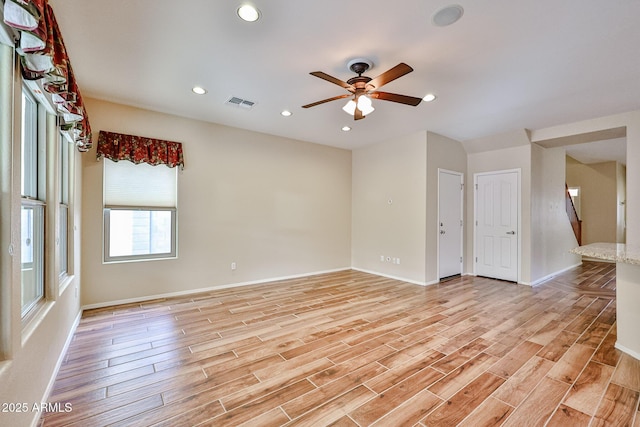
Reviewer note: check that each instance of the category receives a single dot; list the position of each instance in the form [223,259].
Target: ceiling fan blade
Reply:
[327,77]
[357,114]
[347,95]
[394,97]
[398,71]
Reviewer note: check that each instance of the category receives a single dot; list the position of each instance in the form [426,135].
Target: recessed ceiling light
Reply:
[286,113]
[429,97]
[199,90]
[346,128]
[248,13]
[447,15]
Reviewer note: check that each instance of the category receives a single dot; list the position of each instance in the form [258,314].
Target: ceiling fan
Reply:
[363,88]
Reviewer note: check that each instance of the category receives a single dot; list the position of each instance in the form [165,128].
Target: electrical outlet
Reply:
[233,266]
[398,261]
[382,258]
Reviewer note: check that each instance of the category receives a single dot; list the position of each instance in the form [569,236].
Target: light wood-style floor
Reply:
[354,349]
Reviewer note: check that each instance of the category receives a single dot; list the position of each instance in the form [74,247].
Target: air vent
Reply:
[234,101]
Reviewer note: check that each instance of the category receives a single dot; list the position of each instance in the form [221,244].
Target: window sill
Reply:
[34,318]
[122,261]
[65,281]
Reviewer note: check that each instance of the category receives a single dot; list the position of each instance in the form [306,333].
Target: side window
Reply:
[139,211]
[65,154]
[32,204]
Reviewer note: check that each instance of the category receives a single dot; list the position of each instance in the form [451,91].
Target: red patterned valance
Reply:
[43,56]
[138,149]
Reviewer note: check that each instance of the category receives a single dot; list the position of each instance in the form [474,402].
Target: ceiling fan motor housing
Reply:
[360,83]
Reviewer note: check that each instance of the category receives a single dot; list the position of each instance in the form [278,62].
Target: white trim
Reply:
[462,232]
[630,352]
[552,275]
[207,289]
[56,370]
[402,279]
[253,282]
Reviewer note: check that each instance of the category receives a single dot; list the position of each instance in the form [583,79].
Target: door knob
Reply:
[511,232]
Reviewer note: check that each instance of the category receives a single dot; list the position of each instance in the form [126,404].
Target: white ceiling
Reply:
[599,151]
[505,66]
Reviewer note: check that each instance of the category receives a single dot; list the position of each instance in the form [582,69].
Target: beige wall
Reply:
[552,236]
[442,153]
[631,122]
[389,203]
[519,158]
[275,206]
[404,171]
[598,199]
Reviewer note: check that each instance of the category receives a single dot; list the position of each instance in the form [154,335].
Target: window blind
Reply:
[144,185]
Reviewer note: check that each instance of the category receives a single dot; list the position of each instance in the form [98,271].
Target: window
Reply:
[139,211]
[33,205]
[63,204]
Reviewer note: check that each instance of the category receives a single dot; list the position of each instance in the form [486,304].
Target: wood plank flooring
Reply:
[354,349]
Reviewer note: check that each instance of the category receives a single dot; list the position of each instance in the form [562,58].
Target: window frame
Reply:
[172,254]
[33,195]
[65,152]
[129,186]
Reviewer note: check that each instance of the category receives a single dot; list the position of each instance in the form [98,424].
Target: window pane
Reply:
[64,215]
[139,232]
[64,170]
[29,152]
[32,242]
[63,200]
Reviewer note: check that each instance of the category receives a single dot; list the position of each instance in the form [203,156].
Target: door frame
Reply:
[461,175]
[518,171]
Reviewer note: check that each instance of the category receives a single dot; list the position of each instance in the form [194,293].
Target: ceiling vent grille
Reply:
[234,101]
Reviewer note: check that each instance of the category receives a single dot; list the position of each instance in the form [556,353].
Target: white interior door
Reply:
[496,237]
[450,197]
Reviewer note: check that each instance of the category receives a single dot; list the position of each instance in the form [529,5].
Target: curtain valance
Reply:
[43,56]
[138,149]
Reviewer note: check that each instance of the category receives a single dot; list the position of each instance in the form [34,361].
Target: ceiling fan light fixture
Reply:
[364,102]
[346,128]
[286,113]
[248,13]
[350,107]
[364,105]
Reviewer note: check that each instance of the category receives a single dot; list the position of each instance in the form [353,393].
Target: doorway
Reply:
[497,230]
[450,220]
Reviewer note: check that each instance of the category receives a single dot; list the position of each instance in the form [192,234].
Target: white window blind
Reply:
[144,185]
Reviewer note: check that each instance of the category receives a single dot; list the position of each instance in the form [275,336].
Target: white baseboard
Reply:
[63,353]
[624,349]
[389,276]
[296,276]
[253,282]
[207,289]
[552,275]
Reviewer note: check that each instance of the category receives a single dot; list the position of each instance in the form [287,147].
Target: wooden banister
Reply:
[576,223]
